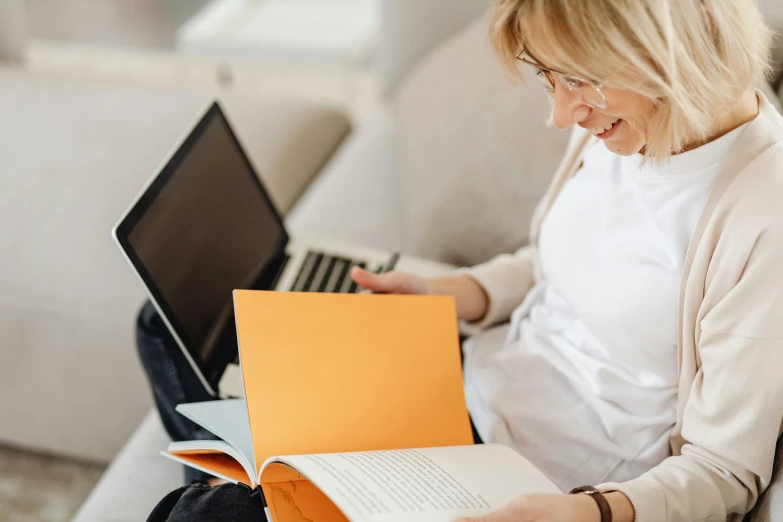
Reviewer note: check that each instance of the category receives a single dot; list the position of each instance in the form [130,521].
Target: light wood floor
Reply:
[36,488]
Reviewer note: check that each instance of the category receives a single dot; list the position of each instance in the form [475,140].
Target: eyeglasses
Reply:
[587,91]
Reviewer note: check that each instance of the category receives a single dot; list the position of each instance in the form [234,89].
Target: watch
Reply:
[603,504]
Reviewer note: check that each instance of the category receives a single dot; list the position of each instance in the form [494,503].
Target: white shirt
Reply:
[583,381]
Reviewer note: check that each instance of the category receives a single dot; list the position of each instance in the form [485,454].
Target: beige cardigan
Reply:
[730,396]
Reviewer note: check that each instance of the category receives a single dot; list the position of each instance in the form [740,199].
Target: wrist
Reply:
[587,508]
[612,506]
[431,287]
[622,508]
[472,300]
[475,299]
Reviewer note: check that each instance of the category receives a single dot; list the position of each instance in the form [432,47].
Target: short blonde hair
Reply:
[691,57]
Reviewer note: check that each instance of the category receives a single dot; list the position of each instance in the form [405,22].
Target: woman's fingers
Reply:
[513,511]
[388,283]
[370,281]
[543,508]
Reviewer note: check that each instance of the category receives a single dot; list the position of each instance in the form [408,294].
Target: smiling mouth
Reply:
[606,131]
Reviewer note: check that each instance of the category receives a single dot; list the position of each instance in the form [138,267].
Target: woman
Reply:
[639,338]
[646,318]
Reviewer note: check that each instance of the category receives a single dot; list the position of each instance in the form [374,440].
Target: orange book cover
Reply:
[350,372]
[329,373]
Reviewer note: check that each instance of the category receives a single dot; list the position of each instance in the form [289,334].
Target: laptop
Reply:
[204,226]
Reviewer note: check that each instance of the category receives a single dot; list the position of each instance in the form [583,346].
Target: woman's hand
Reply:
[390,282]
[472,300]
[558,508]
[544,508]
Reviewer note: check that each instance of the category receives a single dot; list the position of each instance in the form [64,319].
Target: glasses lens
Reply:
[592,96]
[584,90]
[542,77]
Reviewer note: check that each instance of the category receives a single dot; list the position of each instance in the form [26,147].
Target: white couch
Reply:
[12,30]
[72,158]
[452,137]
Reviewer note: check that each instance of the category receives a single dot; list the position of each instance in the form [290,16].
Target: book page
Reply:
[228,420]
[215,462]
[292,498]
[432,484]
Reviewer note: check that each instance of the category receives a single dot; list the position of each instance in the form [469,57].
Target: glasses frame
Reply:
[549,74]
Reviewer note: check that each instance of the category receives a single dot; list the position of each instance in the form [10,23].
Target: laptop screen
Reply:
[204,228]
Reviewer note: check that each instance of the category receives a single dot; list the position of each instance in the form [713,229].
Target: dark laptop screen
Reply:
[204,228]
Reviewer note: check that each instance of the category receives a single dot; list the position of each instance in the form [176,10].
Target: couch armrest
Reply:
[137,479]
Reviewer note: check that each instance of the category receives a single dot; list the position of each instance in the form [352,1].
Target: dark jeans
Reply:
[174,382]
[200,503]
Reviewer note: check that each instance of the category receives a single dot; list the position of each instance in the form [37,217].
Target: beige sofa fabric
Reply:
[773,14]
[356,199]
[72,159]
[473,152]
[771,95]
[410,28]
[137,479]
[288,143]
[12,30]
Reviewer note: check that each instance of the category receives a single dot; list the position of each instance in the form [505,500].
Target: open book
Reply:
[337,389]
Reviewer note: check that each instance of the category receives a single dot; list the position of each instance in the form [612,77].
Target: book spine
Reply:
[260,492]
[263,503]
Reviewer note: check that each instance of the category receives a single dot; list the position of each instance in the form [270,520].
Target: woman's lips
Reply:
[608,134]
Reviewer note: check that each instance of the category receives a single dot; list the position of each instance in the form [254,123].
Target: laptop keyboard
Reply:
[322,272]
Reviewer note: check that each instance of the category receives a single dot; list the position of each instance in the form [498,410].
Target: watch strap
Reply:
[603,504]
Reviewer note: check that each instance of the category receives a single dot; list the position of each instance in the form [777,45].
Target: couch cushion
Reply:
[289,143]
[411,28]
[137,479]
[72,157]
[772,96]
[356,198]
[80,154]
[12,30]
[773,14]
[473,152]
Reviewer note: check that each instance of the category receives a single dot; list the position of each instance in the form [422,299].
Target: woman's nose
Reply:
[569,109]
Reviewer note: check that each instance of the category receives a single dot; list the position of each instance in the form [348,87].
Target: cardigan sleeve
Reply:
[727,462]
[734,413]
[506,279]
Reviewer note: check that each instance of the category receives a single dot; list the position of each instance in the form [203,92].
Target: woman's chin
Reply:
[620,149]
[624,147]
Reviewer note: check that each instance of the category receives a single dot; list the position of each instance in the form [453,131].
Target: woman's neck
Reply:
[746,109]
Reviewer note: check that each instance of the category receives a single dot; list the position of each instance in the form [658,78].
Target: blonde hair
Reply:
[692,58]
